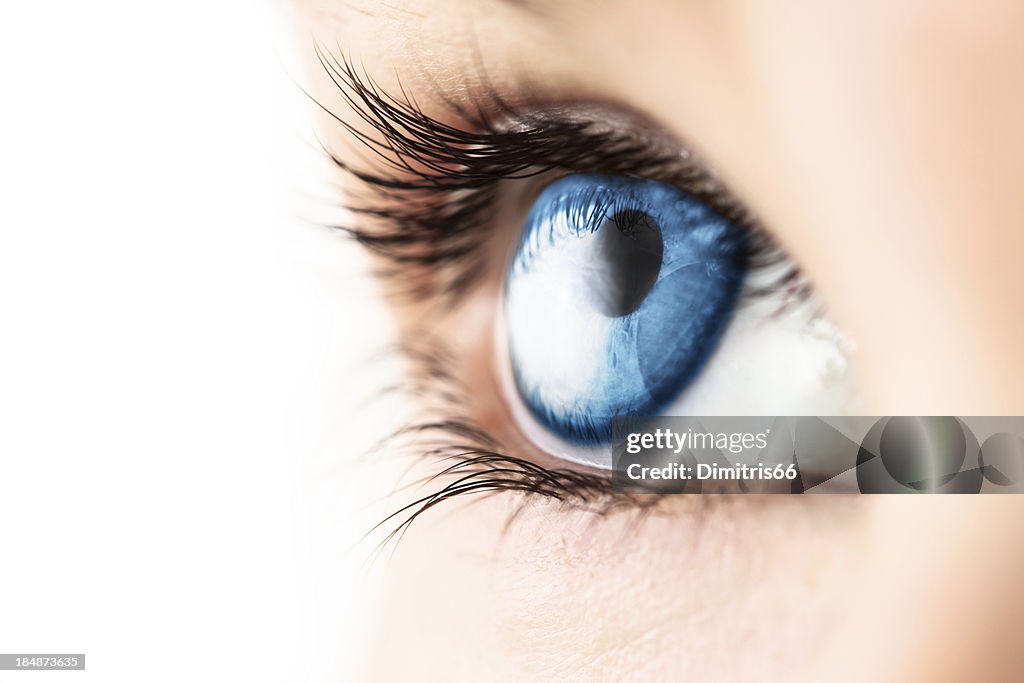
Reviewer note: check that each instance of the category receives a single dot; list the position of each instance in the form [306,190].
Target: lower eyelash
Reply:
[470,461]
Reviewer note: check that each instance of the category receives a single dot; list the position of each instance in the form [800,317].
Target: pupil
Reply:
[628,252]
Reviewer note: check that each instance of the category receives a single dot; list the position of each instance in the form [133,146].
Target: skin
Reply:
[881,144]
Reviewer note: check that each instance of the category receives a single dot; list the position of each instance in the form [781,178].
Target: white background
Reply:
[173,342]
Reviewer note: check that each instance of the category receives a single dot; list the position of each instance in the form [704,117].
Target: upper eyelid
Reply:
[433,182]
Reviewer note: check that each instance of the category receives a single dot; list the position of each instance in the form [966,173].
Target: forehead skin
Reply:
[881,143]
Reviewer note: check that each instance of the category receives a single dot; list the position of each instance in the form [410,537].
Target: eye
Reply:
[638,283]
[618,293]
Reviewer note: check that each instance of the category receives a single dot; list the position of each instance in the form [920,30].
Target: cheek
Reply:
[570,595]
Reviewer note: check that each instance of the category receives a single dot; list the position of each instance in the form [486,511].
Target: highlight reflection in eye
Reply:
[618,294]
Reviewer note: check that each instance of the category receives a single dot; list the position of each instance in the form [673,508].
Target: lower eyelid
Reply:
[465,446]
[475,421]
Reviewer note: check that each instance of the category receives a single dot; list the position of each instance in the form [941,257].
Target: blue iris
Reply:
[617,295]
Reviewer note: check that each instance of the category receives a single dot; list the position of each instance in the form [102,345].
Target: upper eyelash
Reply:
[433,185]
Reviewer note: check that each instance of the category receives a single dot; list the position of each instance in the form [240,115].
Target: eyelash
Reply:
[436,184]
[432,188]
[471,460]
